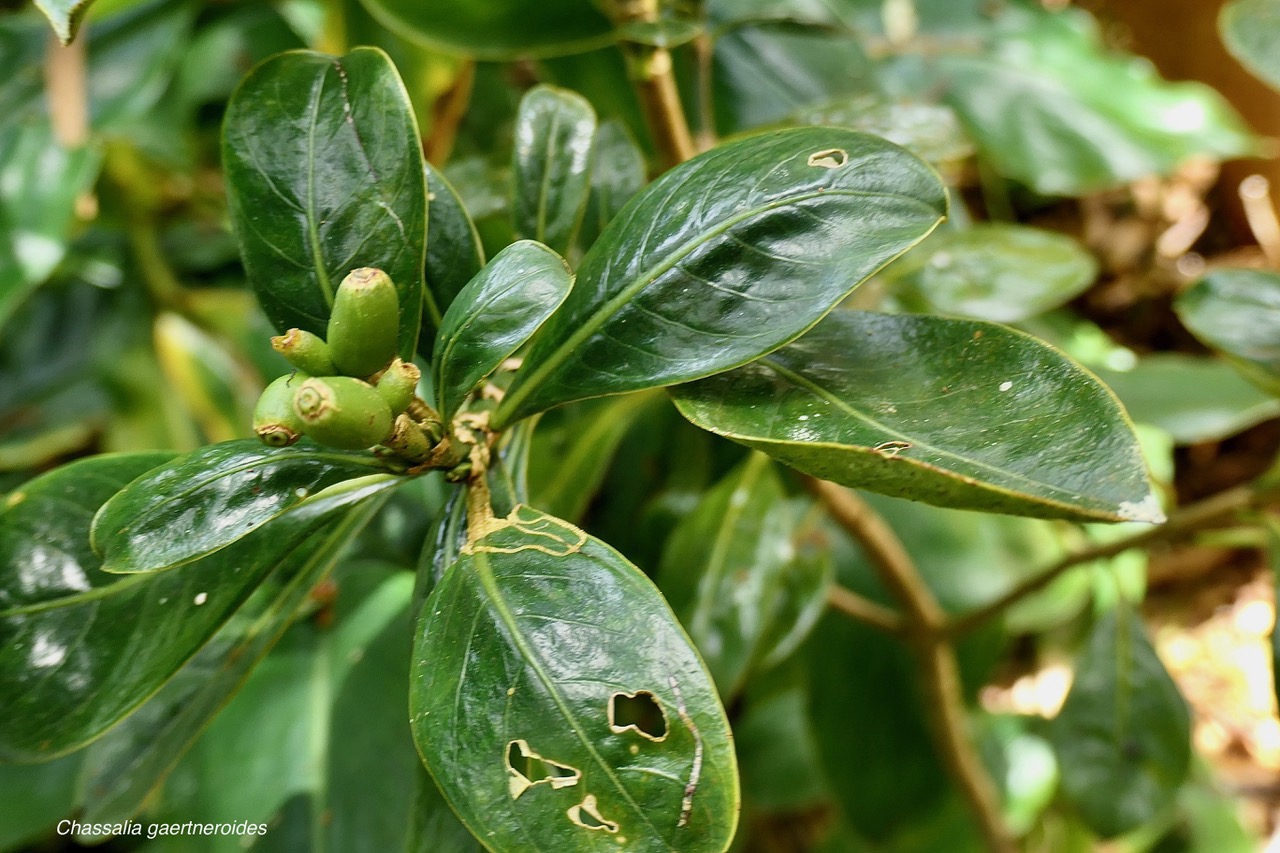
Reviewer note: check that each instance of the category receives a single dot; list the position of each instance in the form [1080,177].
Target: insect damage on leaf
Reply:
[638,712]
[526,768]
[831,158]
[586,814]
[556,538]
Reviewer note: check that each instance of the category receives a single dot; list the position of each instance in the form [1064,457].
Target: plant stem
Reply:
[855,606]
[935,657]
[653,74]
[1208,511]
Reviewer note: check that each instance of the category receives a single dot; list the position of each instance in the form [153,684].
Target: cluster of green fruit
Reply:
[350,390]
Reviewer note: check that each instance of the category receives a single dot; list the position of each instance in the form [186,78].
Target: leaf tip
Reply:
[1146,510]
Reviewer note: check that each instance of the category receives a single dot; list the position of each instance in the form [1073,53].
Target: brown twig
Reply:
[865,610]
[1209,511]
[938,671]
[653,74]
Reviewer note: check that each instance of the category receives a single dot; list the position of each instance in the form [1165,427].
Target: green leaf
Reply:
[572,449]
[1123,737]
[1237,312]
[551,165]
[726,572]
[42,181]
[618,172]
[930,131]
[1048,107]
[1193,398]
[546,723]
[997,272]
[493,316]
[433,826]
[33,798]
[950,412]
[325,174]
[80,647]
[1251,31]
[317,745]
[454,254]
[496,29]
[64,16]
[210,498]
[687,280]
[123,768]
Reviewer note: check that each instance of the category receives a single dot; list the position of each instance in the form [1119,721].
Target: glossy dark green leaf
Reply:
[123,768]
[1048,107]
[454,254]
[1237,312]
[946,411]
[551,165]
[618,172]
[133,57]
[726,568]
[493,316]
[42,181]
[496,29]
[1251,31]
[1123,736]
[545,722]
[64,16]
[208,499]
[80,649]
[325,174]
[930,131]
[687,280]
[1193,398]
[997,272]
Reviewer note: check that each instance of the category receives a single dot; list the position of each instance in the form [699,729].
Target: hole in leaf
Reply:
[832,158]
[586,814]
[526,768]
[639,712]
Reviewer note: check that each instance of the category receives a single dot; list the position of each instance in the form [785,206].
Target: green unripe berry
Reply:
[342,412]
[306,351]
[274,421]
[364,326]
[408,440]
[398,384]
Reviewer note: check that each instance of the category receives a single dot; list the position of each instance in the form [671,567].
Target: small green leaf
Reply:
[123,768]
[207,499]
[454,254]
[997,272]
[946,411]
[496,29]
[618,172]
[1123,737]
[1237,312]
[493,316]
[79,648]
[546,723]
[65,16]
[324,175]
[1048,107]
[551,165]
[1251,31]
[42,181]
[687,280]
[1194,398]
[725,572]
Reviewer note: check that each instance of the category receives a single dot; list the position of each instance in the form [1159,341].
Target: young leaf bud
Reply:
[305,351]
[342,412]
[398,385]
[274,421]
[408,440]
[364,326]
